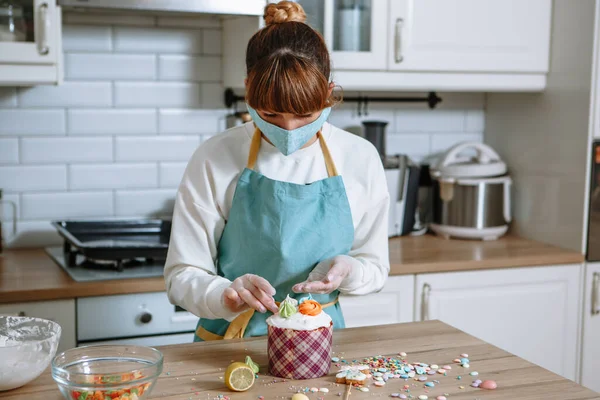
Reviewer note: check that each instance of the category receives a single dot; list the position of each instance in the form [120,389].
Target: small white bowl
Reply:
[27,345]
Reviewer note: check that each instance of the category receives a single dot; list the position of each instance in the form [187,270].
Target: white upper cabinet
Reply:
[354,30]
[591,328]
[469,35]
[30,42]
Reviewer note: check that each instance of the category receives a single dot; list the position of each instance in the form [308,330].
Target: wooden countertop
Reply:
[30,274]
[195,370]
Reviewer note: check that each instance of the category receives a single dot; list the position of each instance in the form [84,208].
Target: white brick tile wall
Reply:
[68,94]
[9,151]
[189,22]
[110,66]
[66,205]
[144,202]
[113,176]
[66,150]
[33,234]
[475,121]
[162,148]
[178,121]
[443,141]
[212,95]
[140,94]
[6,211]
[189,68]
[32,122]
[157,94]
[429,121]
[170,174]
[33,178]
[211,41]
[121,18]
[8,97]
[415,145]
[112,122]
[86,38]
[157,40]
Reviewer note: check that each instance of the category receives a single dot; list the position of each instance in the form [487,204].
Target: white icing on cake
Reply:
[300,322]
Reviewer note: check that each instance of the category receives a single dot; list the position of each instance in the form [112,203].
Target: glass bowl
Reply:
[107,372]
[26,347]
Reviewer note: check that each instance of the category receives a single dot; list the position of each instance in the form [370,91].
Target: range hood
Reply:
[219,7]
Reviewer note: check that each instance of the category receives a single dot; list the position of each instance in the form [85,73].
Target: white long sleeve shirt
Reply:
[205,196]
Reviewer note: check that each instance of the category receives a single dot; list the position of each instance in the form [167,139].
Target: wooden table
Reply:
[195,371]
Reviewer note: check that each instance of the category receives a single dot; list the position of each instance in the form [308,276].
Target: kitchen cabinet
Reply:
[469,35]
[354,31]
[534,313]
[421,45]
[591,328]
[393,304]
[59,311]
[30,43]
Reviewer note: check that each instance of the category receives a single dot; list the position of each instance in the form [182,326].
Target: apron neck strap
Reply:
[255,147]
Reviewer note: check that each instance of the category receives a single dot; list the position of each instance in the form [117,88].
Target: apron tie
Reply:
[237,327]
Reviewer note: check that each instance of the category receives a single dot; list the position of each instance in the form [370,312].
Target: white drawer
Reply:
[109,317]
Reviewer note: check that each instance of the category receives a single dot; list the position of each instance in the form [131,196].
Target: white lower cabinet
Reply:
[59,311]
[591,328]
[533,313]
[393,304]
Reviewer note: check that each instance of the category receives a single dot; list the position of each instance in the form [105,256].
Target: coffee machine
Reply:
[402,176]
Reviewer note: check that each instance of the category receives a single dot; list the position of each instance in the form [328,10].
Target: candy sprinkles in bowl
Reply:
[107,371]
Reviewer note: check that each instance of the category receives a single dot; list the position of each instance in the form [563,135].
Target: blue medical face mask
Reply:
[289,141]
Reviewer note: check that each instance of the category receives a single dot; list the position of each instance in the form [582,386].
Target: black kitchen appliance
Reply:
[114,243]
[593,244]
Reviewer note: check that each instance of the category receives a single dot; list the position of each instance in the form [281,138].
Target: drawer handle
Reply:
[145,318]
[595,308]
[425,302]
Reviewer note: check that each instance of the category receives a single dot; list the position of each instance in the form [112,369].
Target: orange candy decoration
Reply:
[310,307]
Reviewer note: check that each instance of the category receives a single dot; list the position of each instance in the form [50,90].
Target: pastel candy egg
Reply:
[457,360]
[430,384]
[423,397]
[466,365]
[363,389]
[324,390]
[475,384]
[300,396]
[441,371]
[403,396]
[434,366]
[404,376]
[411,374]
[431,372]
[441,398]
[422,378]
[402,354]
[464,355]
[420,370]
[490,385]
[314,390]
[477,381]
[447,367]
[464,360]
[395,395]
[474,373]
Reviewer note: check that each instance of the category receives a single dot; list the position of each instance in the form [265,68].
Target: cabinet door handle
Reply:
[425,302]
[44,27]
[398,41]
[595,307]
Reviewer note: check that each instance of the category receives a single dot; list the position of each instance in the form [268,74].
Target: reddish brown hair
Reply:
[287,64]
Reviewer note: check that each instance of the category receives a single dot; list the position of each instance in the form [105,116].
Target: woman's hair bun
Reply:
[284,11]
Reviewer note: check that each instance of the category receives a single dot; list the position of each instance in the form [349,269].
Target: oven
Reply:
[147,319]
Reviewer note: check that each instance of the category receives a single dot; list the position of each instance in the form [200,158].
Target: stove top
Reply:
[87,270]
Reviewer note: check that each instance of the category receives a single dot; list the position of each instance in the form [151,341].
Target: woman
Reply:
[262,210]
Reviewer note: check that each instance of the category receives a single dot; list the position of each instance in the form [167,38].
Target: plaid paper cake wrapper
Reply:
[299,354]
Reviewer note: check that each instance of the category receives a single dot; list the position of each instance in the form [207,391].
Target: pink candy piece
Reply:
[490,385]
[464,355]
[457,360]
[441,398]
[447,367]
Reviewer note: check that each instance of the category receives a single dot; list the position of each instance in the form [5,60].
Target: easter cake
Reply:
[299,340]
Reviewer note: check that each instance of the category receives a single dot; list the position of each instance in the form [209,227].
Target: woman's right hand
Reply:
[250,291]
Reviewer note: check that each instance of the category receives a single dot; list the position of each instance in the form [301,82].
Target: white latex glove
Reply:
[250,291]
[326,277]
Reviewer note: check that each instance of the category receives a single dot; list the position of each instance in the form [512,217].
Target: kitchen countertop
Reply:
[195,370]
[30,274]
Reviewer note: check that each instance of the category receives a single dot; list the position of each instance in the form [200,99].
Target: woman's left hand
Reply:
[324,282]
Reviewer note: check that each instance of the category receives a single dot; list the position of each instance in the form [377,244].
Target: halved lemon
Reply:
[239,377]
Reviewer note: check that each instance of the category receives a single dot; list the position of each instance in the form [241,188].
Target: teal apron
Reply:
[280,231]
